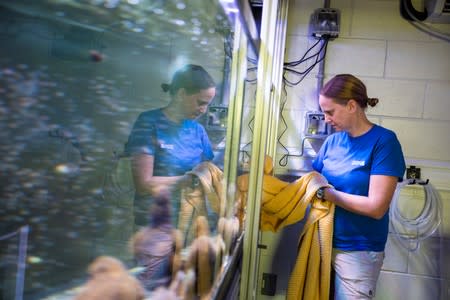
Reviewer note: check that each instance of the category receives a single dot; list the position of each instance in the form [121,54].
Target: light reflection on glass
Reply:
[66,106]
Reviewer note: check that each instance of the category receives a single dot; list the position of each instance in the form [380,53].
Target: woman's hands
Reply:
[188,180]
[146,183]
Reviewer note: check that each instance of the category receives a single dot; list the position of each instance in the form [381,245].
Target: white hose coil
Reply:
[410,232]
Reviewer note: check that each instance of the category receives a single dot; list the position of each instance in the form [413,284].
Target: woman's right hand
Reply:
[188,180]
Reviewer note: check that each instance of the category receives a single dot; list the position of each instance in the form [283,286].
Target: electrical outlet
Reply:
[269,284]
[412,172]
[315,125]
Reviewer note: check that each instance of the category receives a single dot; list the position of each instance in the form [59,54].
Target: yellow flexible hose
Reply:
[286,203]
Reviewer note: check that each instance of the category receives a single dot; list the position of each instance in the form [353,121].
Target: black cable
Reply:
[252,60]
[251,69]
[287,155]
[282,119]
[301,60]
[303,74]
[408,11]
[288,68]
[244,152]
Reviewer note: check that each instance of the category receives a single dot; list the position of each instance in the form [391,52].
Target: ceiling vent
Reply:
[438,11]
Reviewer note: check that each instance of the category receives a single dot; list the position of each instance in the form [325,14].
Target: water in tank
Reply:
[74,77]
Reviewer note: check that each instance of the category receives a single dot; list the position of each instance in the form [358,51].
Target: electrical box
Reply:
[217,117]
[325,23]
[269,284]
[316,126]
[412,172]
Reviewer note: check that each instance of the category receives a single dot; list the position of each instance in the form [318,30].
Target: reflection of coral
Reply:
[181,287]
[177,261]
[162,293]
[205,256]
[183,284]
[153,249]
[157,246]
[110,280]
[228,228]
[204,199]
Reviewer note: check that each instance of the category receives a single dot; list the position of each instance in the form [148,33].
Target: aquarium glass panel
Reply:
[92,120]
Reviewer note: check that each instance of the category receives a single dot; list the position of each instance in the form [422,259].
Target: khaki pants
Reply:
[356,274]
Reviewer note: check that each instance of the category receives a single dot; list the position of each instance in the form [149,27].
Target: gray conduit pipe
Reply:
[320,73]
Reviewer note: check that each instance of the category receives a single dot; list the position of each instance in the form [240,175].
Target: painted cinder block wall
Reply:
[409,71]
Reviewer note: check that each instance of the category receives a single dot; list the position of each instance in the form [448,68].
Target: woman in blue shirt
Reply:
[363,162]
[167,142]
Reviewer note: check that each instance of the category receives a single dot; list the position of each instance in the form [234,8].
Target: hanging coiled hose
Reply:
[411,231]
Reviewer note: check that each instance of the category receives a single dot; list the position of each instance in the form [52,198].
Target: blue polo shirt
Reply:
[177,148]
[347,163]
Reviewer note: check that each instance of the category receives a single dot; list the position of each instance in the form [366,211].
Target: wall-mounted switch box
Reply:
[217,117]
[412,172]
[269,284]
[316,126]
[325,23]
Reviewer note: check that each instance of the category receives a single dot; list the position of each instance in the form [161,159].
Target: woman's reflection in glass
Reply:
[167,142]
[156,247]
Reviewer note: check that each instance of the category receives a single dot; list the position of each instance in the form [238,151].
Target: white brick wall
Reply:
[361,57]
[437,104]
[418,60]
[421,138]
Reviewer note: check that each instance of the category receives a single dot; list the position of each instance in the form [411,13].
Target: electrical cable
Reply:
[245,155]
[416,18]
[283,103]
[284,159]
[431,31]
[411,231]
[253,68]
[319,56]
[303,59]
[288,68]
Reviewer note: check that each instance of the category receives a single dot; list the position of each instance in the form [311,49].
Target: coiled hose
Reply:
[411,231]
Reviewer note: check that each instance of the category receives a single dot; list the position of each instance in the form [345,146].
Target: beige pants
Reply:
[356,274]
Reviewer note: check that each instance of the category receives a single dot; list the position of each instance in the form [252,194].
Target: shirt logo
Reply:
[358,163]
[167,146]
